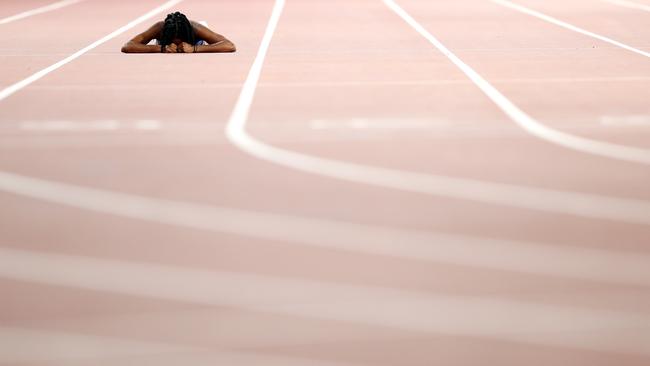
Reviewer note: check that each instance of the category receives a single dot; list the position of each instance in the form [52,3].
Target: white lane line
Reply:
[556,80]
[629,4]
[147,125]
[483,316]
[626,153]
[237,328]
[378,124]
[586,205]
[562,261]
[24,345]
[8,91]
[447,129]
[239,116]
[85,126]
[213,356]
[335,84]
[65,126]
[625,121]
[139,86]
[549,19]
[41,10]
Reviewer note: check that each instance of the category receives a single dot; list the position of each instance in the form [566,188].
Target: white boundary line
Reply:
[8,91]
[626,153]
[41,10]
[585,205]
[547,18]
[483,316]
[629,4]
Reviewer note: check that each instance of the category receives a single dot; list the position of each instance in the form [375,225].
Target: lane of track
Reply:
[219,174]
[571,27]
[418,155]
[61,168]
[26,46]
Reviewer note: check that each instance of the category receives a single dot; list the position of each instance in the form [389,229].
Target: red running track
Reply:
[371,205]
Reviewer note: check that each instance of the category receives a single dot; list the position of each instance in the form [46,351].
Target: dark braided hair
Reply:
[177,26]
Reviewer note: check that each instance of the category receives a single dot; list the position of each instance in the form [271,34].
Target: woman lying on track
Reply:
[177,34]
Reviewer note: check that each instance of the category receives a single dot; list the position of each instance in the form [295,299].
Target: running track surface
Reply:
[371,205]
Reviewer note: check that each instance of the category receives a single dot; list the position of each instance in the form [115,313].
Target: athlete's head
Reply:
[177,28]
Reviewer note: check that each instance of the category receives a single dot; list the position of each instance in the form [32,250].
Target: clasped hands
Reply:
[181,48]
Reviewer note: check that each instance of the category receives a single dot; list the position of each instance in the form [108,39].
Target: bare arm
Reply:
[216,42]
[139,43]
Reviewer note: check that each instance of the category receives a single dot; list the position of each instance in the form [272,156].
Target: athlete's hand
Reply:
[171,48]
[186,48]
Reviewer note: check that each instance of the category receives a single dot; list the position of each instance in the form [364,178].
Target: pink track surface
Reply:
[189,251]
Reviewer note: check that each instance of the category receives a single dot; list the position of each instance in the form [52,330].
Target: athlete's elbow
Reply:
[126,48]
[229,47]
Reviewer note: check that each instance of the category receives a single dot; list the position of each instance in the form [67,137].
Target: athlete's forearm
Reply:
[132,47]
[223,46]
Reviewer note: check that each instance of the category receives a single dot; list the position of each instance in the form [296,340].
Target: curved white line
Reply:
[46,346]
[529,124]
[586,205]
[549,19]
[629,4]
[41,10]
[420,311]
[64,347]
[607,266]
[578,204]
[8,91]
